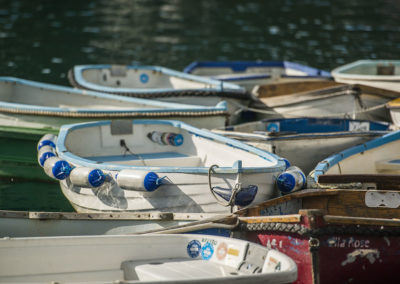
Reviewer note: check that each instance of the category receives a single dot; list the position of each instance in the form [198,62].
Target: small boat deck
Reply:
[150,159]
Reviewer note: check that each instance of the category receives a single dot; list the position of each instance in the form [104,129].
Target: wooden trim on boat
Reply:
[286,88]
[382,181]
[294,218]
[377,91]
[329,219]
[338,202]
[254,211]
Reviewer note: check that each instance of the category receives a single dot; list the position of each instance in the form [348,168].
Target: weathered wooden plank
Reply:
[279,89]
[361,221]
[382,181]
[255,211]
[293,218]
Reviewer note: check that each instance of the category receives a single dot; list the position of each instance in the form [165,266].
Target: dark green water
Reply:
[41,40]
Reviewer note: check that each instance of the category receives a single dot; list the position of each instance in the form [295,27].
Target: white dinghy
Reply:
[156,165]
[160,83]
[147,258]
[248,74]
[378,156]
[305,141]
[377,73]
[25,103]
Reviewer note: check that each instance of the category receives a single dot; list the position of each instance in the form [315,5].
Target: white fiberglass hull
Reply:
[147,258]
[340,105]
[306,153]
[186,193]
[37,224]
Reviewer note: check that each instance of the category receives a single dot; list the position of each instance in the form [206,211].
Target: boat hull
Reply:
[41,224]
[149,259]
[338,253]
[186,193]
[334,235]
[306,151]
[348,101]
[382,74]
[29,102]
[161,84]
[161,165]
[249,74]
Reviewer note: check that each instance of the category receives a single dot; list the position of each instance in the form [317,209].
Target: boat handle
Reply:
[235,190]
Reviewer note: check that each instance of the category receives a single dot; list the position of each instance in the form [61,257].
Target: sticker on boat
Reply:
[222,250]
[193,248]
[144,78]
[358,126]
[273,127]
[233,251]
[207,251]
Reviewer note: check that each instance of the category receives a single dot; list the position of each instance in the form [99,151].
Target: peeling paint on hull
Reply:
[359,257]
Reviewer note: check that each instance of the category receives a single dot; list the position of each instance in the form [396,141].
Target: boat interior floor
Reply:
[175,269]
[150,159]
[144,270]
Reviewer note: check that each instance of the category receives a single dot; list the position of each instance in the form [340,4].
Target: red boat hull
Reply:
[326,253]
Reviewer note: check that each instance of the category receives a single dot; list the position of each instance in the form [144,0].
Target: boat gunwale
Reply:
[218,86]
[278,163]
[243,65]
[323,166]
[112,216]
[338,72]
[158,106]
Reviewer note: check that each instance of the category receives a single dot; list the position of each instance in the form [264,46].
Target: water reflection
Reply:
[33,196]
[174,32]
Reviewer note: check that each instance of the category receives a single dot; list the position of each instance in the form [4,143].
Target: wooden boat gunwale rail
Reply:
[313,222]
[381,181]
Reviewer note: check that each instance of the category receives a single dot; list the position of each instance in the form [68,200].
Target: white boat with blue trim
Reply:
[378,156]
[136,259]
[27,103]
[156,165]
[248,74]
[377,73]
[160,83]
[305,141]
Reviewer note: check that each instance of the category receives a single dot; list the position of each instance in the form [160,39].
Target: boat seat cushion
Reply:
[388,166]
[174,269]
[151,159]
